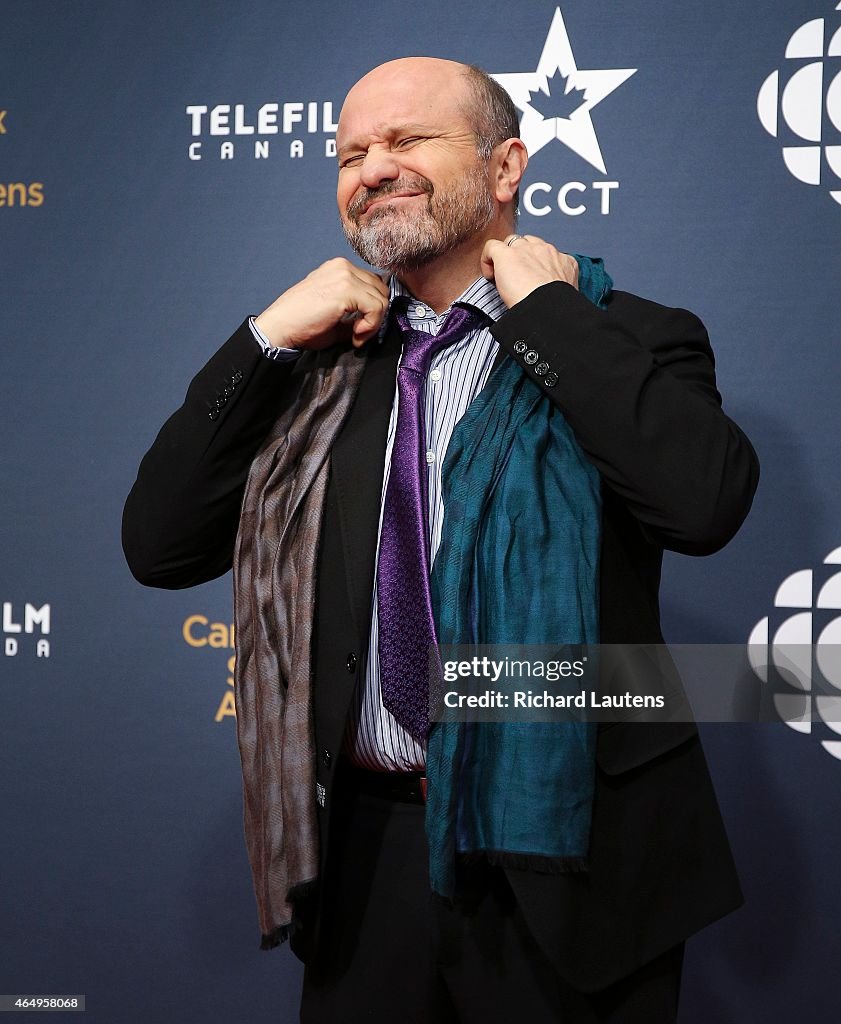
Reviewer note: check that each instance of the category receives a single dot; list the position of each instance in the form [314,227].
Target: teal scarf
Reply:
[518,564]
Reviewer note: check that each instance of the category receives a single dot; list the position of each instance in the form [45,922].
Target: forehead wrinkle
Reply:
[386,130]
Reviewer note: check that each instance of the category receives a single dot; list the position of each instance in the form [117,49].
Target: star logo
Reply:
[557,98]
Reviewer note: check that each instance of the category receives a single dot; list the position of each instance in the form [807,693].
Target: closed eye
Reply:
[350,161]
[406,143]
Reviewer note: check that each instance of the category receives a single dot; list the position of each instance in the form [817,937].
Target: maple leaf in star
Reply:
[563,98]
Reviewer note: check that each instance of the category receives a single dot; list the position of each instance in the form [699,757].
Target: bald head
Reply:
[447,86]
[409,90]
[426,69]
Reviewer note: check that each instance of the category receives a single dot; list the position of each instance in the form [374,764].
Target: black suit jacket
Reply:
[637,385]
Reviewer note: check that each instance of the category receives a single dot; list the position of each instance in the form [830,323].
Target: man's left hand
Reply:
[525,264]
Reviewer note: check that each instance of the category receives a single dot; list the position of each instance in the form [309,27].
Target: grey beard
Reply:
[395,240]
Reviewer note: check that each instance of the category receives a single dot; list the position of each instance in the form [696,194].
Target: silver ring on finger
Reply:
[515,238]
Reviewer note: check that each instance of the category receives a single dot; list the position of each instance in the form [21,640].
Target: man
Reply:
[429,167]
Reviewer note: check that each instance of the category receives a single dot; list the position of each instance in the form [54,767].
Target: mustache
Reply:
[369,195]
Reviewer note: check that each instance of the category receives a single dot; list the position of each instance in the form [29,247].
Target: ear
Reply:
[509,163]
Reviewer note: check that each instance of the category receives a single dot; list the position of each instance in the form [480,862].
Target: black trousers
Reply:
[396,953]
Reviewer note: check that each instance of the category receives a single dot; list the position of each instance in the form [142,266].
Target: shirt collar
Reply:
[481,295]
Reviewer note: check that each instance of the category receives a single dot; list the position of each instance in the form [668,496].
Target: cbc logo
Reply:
[804,649]
[802,98]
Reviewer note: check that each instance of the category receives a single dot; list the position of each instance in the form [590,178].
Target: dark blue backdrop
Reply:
[125,263]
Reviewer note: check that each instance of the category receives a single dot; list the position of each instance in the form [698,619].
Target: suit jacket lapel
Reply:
[357,465]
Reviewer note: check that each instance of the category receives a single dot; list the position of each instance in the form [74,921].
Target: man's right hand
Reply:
[335,302]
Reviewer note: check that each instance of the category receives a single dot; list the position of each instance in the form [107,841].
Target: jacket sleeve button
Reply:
[351,662]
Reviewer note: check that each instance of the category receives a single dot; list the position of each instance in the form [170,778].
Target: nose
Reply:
[378,166]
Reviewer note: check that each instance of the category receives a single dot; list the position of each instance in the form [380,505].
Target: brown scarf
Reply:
[274,605]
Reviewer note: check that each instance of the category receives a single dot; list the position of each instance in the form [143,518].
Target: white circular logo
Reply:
[799,656]
[800,99]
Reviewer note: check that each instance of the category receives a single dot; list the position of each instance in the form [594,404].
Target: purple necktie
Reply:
[406,626]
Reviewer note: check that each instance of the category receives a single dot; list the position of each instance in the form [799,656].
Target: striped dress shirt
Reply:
[374,739]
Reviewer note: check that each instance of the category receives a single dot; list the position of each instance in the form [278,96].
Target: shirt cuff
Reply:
[281,355]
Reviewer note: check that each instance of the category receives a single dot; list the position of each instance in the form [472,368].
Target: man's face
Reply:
[411,184]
